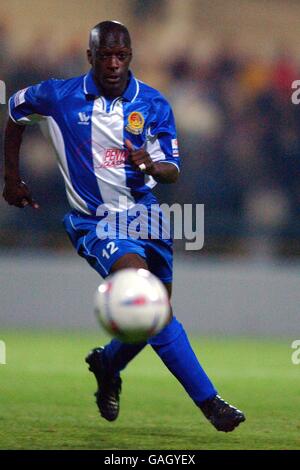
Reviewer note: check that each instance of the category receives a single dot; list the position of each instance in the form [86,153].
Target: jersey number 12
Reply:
[109,250]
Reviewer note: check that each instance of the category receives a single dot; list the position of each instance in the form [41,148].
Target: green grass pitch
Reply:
[47,396]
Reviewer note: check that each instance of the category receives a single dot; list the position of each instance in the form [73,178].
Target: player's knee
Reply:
[130,260]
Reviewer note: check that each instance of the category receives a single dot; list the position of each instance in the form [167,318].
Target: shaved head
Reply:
[108,31]
[110,54]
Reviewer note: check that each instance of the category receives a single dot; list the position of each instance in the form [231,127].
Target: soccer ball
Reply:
[132,305]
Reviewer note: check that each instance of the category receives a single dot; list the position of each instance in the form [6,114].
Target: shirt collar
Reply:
[90,87]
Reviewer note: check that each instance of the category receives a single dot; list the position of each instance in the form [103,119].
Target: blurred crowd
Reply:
[239,138]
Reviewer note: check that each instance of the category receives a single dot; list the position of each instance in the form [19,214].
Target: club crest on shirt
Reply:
[135,123]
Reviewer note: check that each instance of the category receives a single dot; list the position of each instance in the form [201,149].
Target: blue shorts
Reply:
[102,253]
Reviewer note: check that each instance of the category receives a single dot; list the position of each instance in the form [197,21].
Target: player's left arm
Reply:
[161,171]
[159,157]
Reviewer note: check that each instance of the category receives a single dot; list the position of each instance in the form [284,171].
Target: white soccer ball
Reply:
[132,305]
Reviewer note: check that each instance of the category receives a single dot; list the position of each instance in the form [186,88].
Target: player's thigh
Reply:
[105,255]
[159,257]
[129,260]
[108,255]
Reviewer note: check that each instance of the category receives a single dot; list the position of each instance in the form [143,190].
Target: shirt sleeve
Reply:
[162,142]
[31,104]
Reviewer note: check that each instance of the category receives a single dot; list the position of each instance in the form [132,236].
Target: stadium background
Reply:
[227,69]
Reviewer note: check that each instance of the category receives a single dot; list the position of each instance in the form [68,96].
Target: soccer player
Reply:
[114,136]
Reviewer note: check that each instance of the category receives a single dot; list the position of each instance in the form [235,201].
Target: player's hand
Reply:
[140,158]
[16,193]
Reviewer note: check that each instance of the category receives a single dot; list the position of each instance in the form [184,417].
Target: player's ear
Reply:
[130,58]
[89,56]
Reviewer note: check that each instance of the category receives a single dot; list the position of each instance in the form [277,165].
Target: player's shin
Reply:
[173,347]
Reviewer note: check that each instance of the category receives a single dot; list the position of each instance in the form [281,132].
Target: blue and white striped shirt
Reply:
[88,132]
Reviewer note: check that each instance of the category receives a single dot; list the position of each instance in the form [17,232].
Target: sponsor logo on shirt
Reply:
[136,123]
[113,158]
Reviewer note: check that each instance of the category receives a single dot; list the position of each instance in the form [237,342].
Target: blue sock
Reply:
[118,354]
[173,347]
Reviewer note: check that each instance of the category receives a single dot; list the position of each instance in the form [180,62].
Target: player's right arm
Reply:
[15,192]
[26,107]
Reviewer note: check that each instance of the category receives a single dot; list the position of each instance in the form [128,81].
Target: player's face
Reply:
[110,63]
